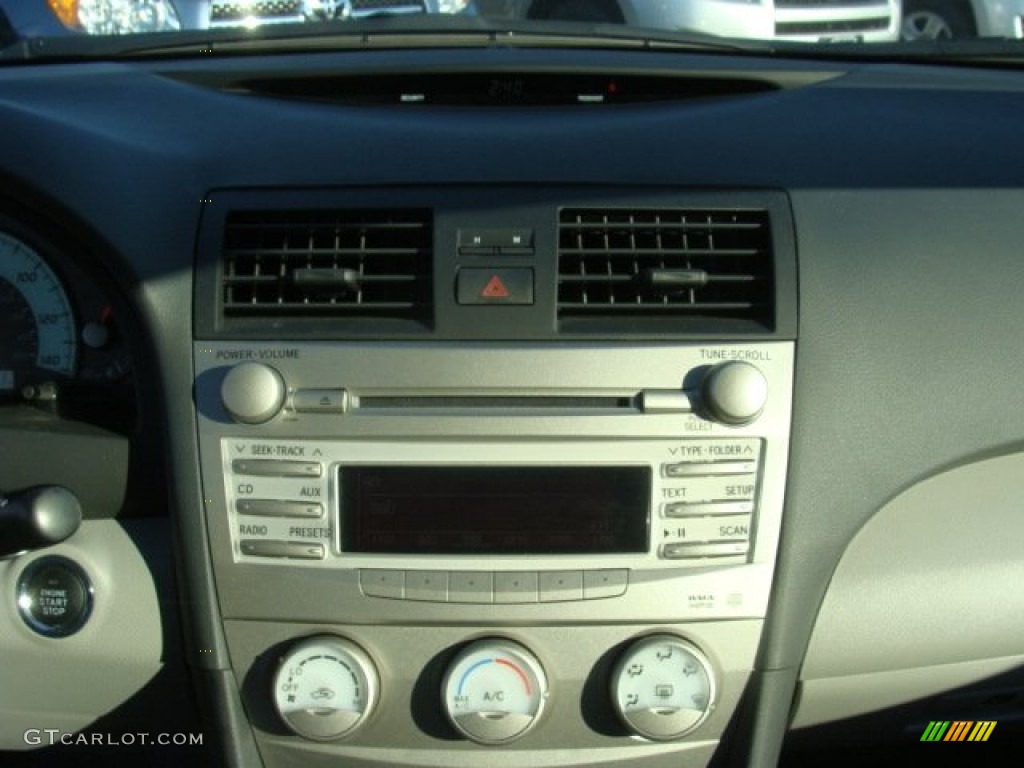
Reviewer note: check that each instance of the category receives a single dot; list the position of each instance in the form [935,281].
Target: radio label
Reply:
[735,354]
[257,354]
[741,491]
[716,450]
[733,532]
[252,530]
[290,451]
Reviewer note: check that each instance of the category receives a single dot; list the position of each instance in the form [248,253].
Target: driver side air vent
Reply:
[342,264]
[684,270]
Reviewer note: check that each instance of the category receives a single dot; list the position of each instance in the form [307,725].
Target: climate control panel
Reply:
[494,690]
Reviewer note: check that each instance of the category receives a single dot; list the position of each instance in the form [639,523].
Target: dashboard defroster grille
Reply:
[638,264]
[348,263]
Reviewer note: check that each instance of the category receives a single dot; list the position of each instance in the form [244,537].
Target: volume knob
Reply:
[252,393]
[735,392]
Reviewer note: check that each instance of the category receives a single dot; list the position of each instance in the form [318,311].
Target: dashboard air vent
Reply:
[372,264]
[686,270]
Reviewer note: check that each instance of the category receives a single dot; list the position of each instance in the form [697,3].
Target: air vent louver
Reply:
[690,270]
[373,264]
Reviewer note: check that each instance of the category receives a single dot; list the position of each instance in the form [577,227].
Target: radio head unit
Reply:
[433,490]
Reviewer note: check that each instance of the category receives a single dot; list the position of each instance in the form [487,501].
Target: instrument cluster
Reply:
[63,346]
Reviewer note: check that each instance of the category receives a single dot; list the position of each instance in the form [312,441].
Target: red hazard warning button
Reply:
[504,285]
[495,289]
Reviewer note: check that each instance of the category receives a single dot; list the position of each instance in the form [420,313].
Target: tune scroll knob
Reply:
[735,392]
[252,393]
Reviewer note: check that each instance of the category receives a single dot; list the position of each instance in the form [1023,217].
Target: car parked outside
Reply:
[47,18]
[947,19]
[798,20]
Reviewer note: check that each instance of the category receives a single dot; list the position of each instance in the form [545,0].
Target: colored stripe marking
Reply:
[518,671]
[482,662]
[471,670]
[959,730]
[982,730]
[935,730]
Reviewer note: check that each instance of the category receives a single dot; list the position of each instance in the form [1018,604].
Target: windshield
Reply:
[141,24]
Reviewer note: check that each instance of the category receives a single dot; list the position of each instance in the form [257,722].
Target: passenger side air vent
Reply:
[679,270]
[346,264]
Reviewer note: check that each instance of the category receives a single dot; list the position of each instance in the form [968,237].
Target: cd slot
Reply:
[497,403]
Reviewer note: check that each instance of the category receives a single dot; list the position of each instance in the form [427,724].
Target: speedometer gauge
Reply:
[38,326]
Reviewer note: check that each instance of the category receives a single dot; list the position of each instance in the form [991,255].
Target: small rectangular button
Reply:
[292,550]
[279,508]
[602,584]
[665,401]
[514,238]
[559,586]
[500,285]
[476,250]
[496,237]
[320,400]
[516,587]
[429,586]
[706,469]
[470,587]
[706,508]
[710,549]
[377,582]
[275,468]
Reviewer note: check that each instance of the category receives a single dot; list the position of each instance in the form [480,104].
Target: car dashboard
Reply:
[514,405]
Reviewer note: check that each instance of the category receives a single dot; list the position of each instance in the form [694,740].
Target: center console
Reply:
[498,528]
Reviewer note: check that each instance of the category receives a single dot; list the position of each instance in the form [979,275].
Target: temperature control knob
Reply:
[325,688]
[494,691]
[663,687]
[252,393]
[735,392]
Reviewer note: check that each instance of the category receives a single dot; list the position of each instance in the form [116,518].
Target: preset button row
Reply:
[501,588]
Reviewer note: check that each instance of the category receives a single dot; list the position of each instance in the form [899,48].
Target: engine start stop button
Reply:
[54,596]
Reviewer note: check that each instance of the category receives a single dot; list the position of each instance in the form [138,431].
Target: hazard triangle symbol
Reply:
[495,289]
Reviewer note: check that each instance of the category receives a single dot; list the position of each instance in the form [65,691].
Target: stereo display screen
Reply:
[478,510]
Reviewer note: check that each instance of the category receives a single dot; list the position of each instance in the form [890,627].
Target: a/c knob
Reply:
[252,393]
[735,392]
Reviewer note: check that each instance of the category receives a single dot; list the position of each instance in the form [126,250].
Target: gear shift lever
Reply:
[37,517]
